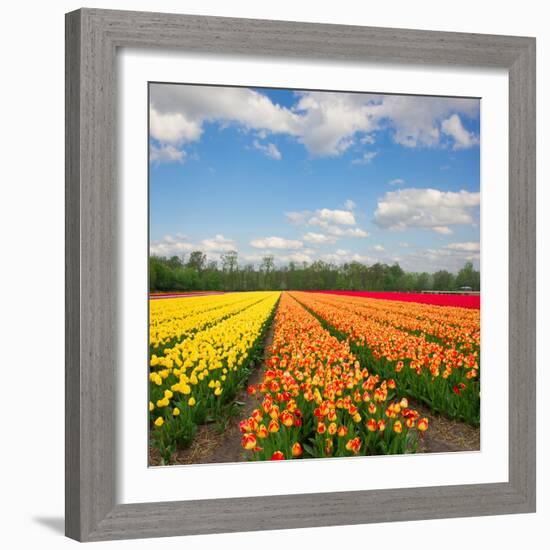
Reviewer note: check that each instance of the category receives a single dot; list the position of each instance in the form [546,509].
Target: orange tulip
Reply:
[249,441]
[287,419]
[342,431]
[244,426]
[261,432]
[296,450]
[422,424]
[273,427]
[371,425]
[354,445]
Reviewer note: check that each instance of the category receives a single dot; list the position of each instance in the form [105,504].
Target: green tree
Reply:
[197,261]
[230,265]
[443,280]
[468,276]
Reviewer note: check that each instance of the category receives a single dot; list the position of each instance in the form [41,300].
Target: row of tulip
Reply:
[452,326]
[196,380]
[464,301]
[317,400]
[173,319]
[445,377]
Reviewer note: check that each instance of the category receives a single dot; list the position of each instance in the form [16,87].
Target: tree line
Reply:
[196,272]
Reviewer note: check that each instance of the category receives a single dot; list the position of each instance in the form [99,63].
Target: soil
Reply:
[209,446]
[444,435]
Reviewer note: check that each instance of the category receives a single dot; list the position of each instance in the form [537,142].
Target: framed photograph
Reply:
[300,275]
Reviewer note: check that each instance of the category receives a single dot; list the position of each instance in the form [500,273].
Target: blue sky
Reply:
[314,175]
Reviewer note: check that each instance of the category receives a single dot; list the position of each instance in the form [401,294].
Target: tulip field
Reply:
[335,374]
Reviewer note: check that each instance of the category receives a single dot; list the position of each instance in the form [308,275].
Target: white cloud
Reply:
[218,243]
[326,123]
[397,181]
[319,238]
[173,128]
[349,205]
[298,218]
[442,230]
[334,224]
[296,257]
[325,215]
[171,246]
[268,149]
[426,208]
[464,247]
[378,248]
[197,104]
[346,256]
[166,153]
[277,243]
[366,158]
[416,119]
[453,127]
[431,260]
[367,140]
[355,232]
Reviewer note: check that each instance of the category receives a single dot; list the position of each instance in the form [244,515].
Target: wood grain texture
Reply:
[72,277]
[92,37]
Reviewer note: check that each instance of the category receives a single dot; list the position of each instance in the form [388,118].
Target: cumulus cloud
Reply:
[367,140]
[464,247]
[416,120]
[173,127]
[191,106]
[366,158]
[325,215]
[349,205]
[426,208]
[269,149]
[299,257]
[334,224]
[436,259]
[354,232]
[326,123]
[397,181]
[277,243]
[166,153]
[298,218]
[319,238]
[378,248]
[218,243]
[171,245]
[463,139]
[342,256]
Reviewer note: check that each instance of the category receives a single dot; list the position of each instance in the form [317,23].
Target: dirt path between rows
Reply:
[209,446]
[446,436]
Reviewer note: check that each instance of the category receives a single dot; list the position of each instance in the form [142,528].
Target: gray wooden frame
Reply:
[92,39]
